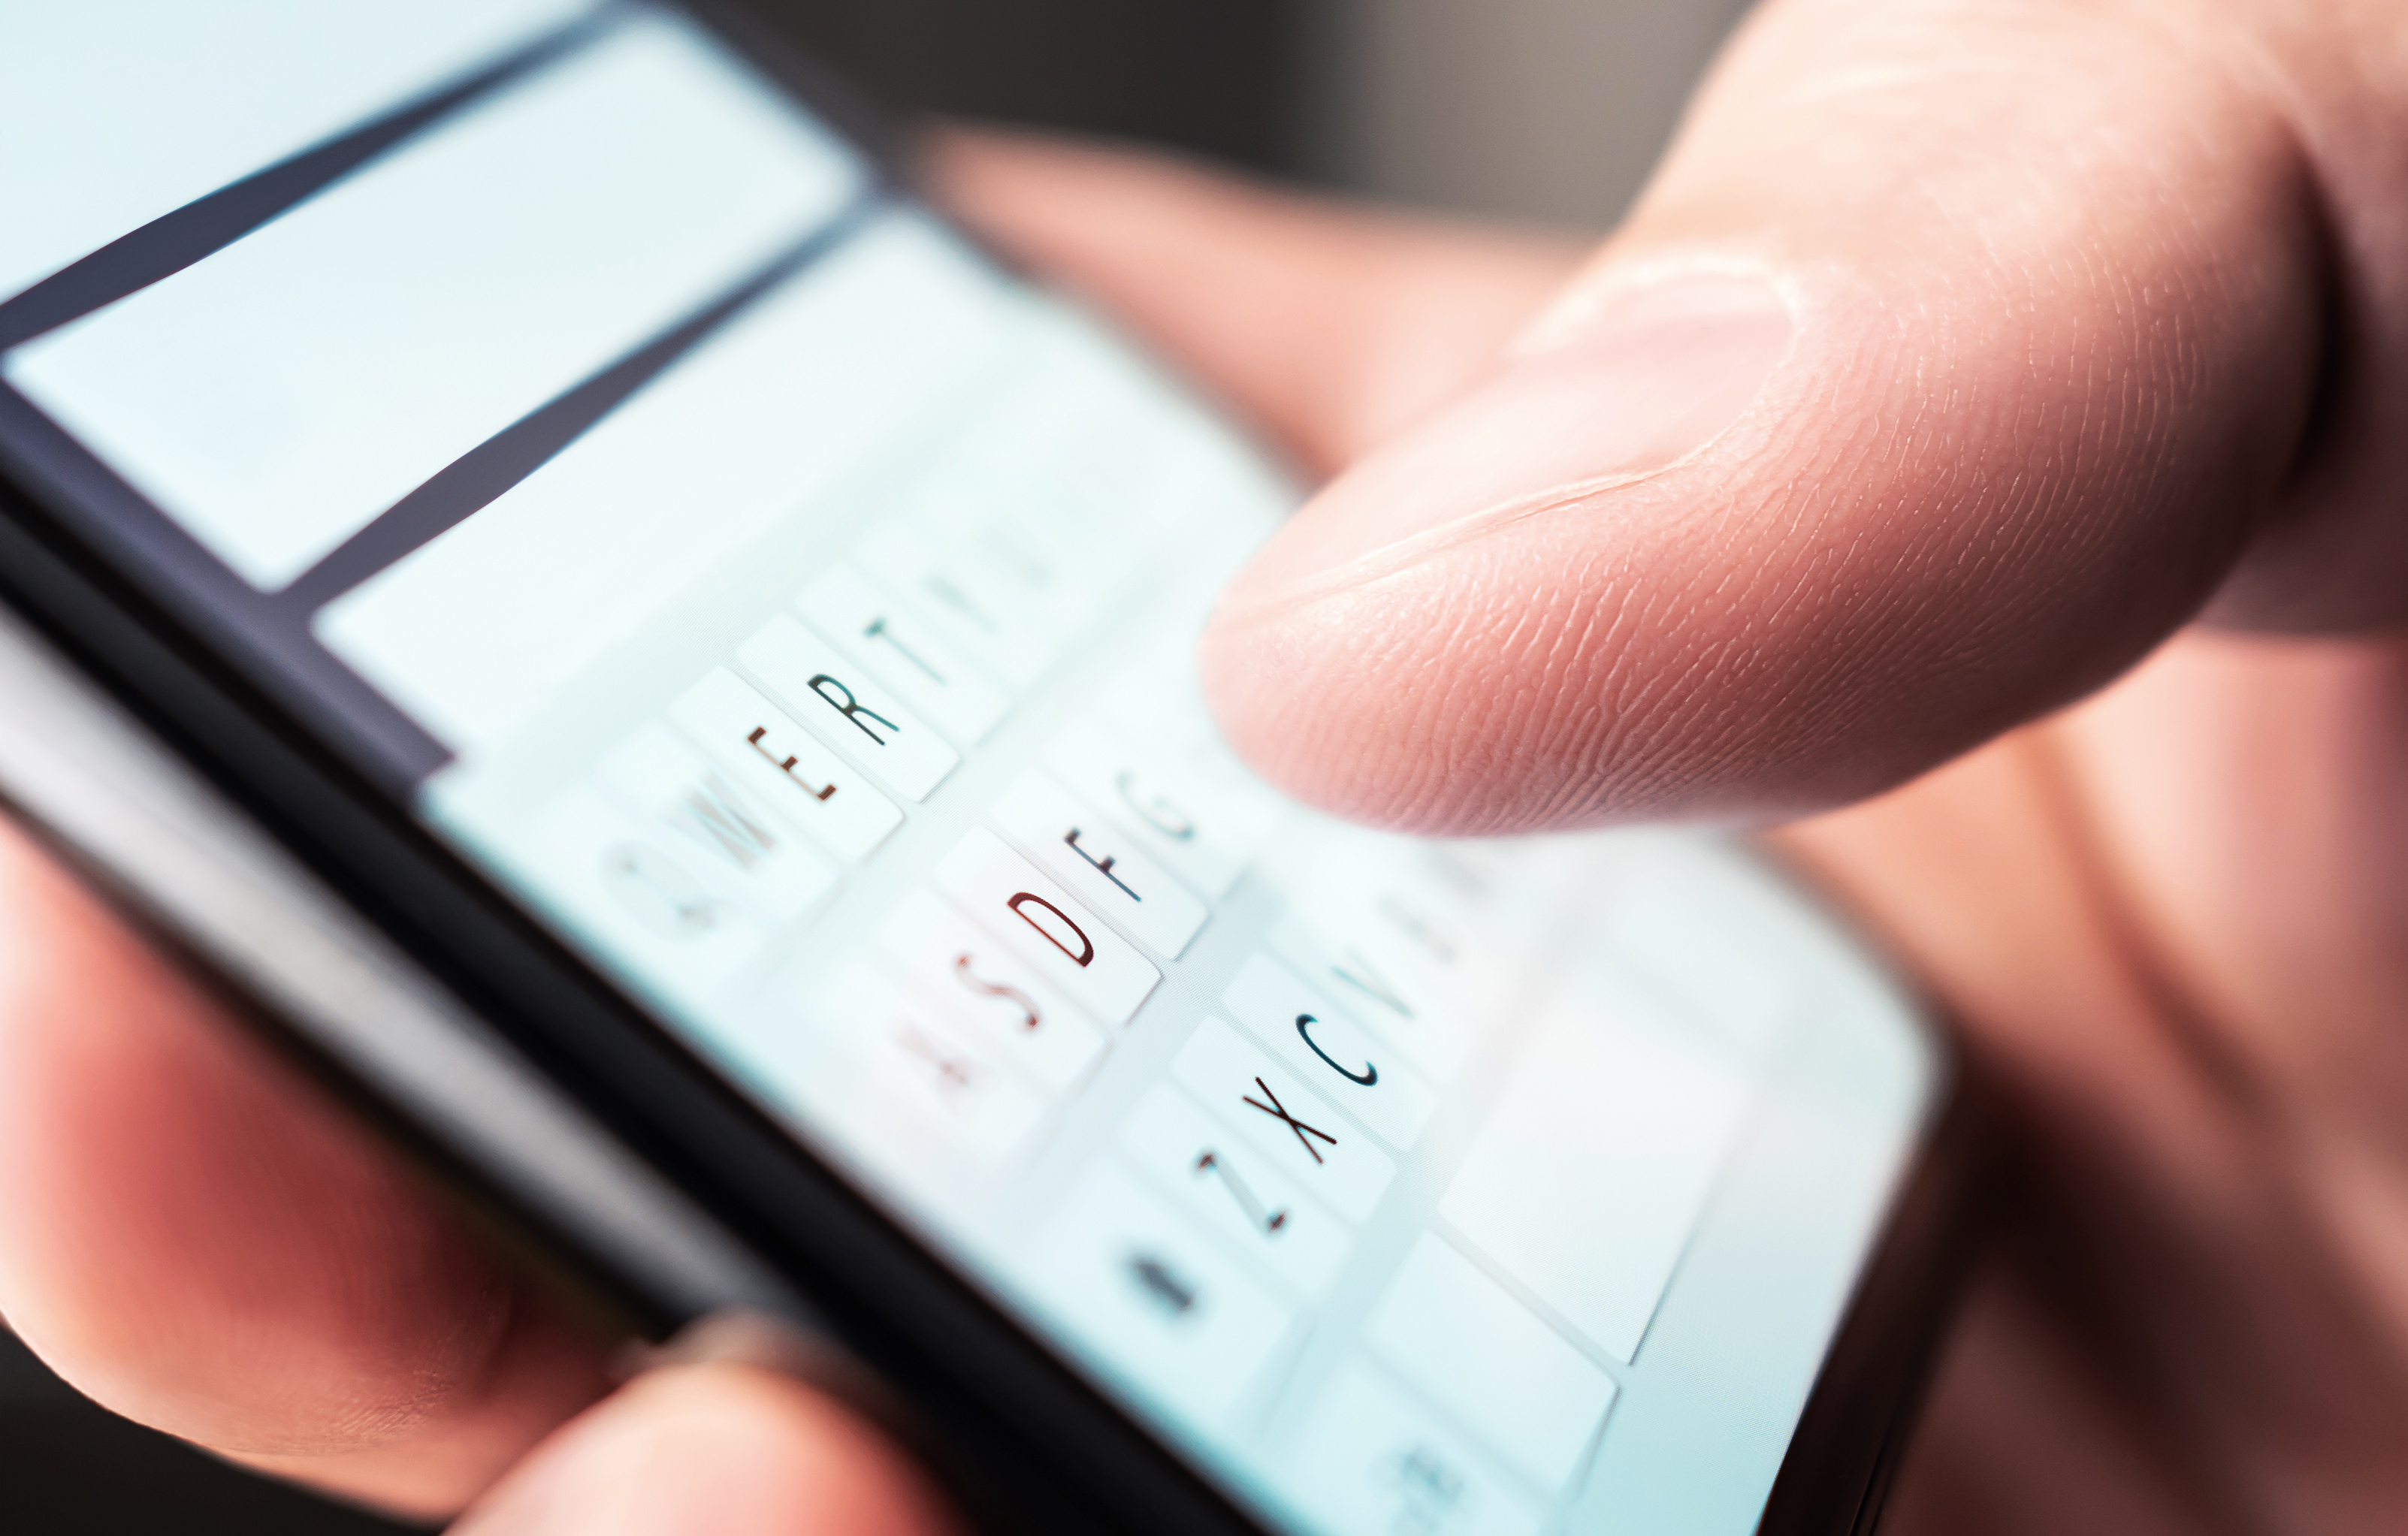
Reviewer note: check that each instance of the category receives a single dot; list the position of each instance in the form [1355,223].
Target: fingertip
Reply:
[728,1448]
[540,1371]
[1745,566]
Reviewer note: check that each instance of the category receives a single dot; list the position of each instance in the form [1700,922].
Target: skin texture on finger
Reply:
[2055,286]
[728,1449]
[2170,922]
[194,1236]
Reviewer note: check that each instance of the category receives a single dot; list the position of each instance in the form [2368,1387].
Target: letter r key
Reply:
[845,708]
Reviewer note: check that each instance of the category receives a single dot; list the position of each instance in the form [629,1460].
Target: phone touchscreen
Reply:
[794,610]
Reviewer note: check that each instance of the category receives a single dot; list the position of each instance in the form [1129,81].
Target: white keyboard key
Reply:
[1517,1383]
[985,606]
[677,925]
[1002,999]
[904,1087]
[1392,898]
[904,652]
[1235,1190]
[1370,1458]
[1157,698]
[661,778]
[786,765]
[1207,832]
[1681,922]
[1353,1067]
[1623,1119]
[1047,927]
[1157,1300]
[1289,1124]
[981,524]
[1382,985]
[849,710]
[1100,863]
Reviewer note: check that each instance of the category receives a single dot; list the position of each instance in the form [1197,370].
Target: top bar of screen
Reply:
[142,106]
[277,397]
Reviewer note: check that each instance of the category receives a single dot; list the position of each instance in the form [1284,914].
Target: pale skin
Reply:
[2056,536]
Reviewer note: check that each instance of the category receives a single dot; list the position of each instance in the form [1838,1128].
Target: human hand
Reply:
[2024,331]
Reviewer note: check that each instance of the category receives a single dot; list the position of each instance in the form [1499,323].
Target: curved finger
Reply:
[1957,355]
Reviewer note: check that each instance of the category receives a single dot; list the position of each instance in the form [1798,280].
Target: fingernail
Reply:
[599,1481]
[1642,380]
[739,1336]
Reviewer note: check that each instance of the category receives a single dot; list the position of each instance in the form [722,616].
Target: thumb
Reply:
[729,1448]
[1956,354]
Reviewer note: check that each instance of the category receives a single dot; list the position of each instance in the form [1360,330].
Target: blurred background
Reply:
[1546,111]
[1538,110]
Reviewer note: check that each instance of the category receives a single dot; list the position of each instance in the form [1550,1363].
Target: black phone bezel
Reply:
[1024,1438]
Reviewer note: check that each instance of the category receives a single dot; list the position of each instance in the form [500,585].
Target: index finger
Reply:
[1957,356]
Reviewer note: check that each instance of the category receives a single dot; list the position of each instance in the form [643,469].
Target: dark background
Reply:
[1220,77]
[67,1466]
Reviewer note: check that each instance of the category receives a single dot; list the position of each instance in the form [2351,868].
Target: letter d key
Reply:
[1050,931]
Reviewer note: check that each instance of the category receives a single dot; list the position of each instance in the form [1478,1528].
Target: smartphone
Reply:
[662,670]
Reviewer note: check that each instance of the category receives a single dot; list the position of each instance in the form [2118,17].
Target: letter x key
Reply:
[1278,1112]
